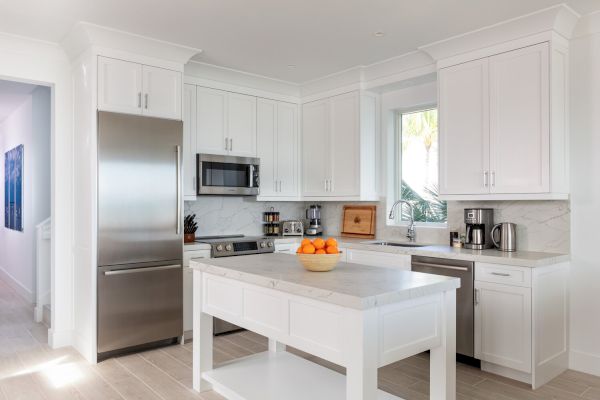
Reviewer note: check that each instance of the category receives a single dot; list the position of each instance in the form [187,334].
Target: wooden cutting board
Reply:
[359,221]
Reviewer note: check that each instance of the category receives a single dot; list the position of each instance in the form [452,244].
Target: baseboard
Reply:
[57,339]
[584,362]
[21,290]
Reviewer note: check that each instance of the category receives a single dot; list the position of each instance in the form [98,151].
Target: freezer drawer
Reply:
[139,305]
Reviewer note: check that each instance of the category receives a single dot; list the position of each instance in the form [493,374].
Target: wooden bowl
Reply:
[319,262]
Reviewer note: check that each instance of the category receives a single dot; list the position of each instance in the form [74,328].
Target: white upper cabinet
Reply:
[277,148]
[519,121]
[463,91]
[119,86]
[316,148]
[339,152]
[162,92]
[241,124]
[133,88]
[226,123]
[211,125]
[496,133]
[189,142]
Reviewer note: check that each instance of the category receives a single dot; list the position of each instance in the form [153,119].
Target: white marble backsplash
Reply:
[231,215]
[541,225]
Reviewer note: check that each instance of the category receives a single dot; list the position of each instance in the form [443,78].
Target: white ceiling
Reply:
[12,95]
[319,37]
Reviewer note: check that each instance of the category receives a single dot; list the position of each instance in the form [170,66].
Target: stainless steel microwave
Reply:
[227,175]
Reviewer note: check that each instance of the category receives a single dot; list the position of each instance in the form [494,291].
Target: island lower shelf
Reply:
[279,375]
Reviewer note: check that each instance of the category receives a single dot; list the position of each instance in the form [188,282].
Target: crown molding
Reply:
[85,35]
[560,19]
[588,25]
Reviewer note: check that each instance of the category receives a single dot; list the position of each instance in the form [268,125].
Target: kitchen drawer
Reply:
[505,274]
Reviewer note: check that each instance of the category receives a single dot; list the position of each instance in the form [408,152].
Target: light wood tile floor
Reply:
[30,370]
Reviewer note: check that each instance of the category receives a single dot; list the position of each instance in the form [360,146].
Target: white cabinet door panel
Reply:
[119,86]
[266,137]
[286,153]
[503,325]
[464,128]
[211,124]
[344,145]
[519,121]
[315,148]
[189,142]
[241,125]
[162,93]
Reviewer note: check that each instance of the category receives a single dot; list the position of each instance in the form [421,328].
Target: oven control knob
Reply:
[263,245]
[228,247]
[219,247]
[270,244]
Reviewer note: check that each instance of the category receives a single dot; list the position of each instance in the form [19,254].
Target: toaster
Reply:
[292,228]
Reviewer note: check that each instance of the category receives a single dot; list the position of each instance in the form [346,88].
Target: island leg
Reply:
[275,346]
[443,358]
[203,338]
[361,349]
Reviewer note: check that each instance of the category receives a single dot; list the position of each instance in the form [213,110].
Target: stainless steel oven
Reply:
[227,175]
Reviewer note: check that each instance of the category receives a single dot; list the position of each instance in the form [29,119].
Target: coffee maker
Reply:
[480,222]
[313,214]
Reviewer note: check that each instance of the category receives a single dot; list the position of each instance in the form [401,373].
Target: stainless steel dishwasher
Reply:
[465,343]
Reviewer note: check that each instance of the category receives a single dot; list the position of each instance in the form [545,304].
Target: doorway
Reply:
[25,194]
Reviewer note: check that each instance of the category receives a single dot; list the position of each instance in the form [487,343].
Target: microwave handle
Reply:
[251,175]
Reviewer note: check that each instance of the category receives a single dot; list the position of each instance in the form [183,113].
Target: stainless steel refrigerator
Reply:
[140,239]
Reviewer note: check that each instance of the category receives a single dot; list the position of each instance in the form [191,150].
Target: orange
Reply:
[308,249]
[299,250]
[305,242]
[332,250]
[319,243]
[320,251]
[331,242]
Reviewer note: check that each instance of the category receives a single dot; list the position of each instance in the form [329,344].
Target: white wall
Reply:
[39,62]
[28,125]
[585,200]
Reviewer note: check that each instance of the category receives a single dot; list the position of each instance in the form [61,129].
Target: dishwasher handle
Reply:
[430,265]
[138,270]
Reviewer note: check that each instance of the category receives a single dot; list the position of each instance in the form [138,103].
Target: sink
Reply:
[395,244]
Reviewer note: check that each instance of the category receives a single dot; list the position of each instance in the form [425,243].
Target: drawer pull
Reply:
[500,274]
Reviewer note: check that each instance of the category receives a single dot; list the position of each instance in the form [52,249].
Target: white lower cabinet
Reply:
[378,259]
[521,321]
[503,324]
[188,289]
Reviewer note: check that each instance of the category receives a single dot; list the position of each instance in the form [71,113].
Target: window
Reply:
[417,166]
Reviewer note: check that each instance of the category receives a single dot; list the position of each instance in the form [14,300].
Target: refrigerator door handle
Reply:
[178,151]
[138,270]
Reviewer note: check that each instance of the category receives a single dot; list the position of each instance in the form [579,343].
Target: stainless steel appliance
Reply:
[227,175]
[508,236]
[465,336]
[292,228]
[140,233]
[479,223]
[313,214]
[234,245]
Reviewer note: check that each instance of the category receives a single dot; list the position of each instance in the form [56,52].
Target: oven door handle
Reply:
[422,264]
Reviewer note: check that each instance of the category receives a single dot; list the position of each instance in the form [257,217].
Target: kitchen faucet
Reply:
[411,233]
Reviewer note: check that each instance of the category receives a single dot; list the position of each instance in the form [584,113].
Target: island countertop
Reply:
[349,285]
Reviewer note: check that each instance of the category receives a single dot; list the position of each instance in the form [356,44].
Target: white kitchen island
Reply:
[356,316]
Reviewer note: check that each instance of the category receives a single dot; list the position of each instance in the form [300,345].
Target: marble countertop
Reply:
[530,259]
[348,285]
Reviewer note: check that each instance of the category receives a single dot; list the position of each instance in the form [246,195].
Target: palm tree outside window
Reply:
[417,167]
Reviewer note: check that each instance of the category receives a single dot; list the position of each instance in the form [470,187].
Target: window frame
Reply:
[397,165]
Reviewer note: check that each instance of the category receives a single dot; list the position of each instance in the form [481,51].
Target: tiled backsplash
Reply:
[230,215]
[541,225]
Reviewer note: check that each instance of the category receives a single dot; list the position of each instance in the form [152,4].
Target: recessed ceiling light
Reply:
[291,66]
[379,34]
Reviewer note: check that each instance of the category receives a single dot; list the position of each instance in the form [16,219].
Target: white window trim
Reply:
[397,166]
